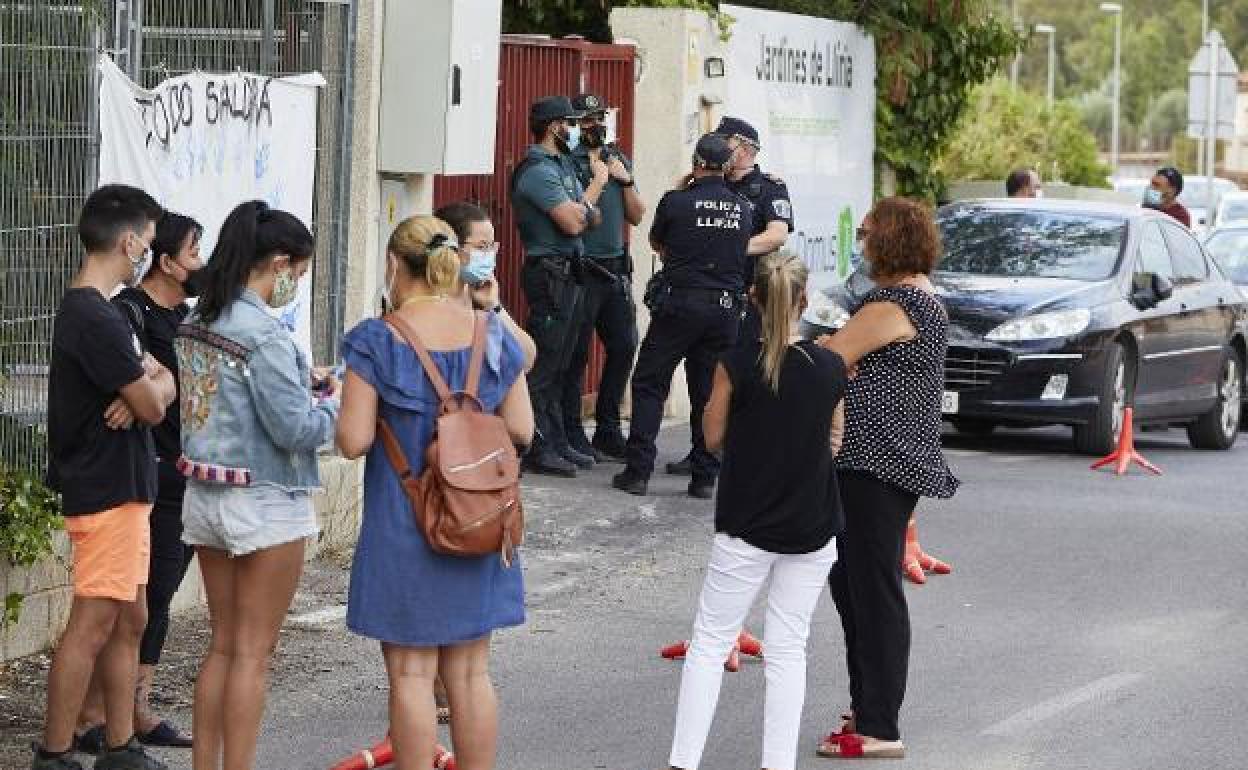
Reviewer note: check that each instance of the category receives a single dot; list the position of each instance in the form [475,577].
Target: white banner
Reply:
[202,143]
[808,86]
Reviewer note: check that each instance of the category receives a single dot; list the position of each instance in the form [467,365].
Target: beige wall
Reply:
[677,104]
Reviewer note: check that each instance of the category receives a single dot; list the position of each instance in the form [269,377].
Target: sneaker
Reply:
[91,741]
[682,468]
[612,449]
[65,761]
[547,462]
[702,489]
[630,482]
[129,757]
[581,461]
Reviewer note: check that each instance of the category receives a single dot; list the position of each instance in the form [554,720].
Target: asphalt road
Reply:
[1091,621]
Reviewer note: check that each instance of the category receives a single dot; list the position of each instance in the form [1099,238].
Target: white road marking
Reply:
[1008,459]
[1028,718]
[321,617]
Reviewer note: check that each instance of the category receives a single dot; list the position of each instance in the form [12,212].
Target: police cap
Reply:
[589,104]
[712,153]
[553,108]
[729,127]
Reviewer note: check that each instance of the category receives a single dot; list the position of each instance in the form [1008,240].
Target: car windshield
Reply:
[1234,211]
[1027,243]
[1230,249]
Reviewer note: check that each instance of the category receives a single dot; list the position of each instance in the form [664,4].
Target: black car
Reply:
[1065,312]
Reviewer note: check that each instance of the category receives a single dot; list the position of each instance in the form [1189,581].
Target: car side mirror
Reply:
[1163,287]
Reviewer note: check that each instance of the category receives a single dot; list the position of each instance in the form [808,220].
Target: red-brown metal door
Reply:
[530,68]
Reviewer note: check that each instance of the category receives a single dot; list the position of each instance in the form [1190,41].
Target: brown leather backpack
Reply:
[467,500]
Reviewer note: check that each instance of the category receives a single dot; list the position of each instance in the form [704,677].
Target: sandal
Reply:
[855,746]
[165,734]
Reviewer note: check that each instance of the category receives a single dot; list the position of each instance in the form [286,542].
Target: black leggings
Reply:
[170,559]
[866,586]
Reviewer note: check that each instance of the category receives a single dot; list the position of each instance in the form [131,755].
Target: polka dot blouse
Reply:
[892,408]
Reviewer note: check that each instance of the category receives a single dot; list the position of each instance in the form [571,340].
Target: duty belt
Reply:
[723,297]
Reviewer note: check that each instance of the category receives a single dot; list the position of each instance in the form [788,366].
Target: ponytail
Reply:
[427,246]
[251,234]
[779,282]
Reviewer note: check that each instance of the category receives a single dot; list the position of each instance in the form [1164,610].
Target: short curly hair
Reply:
[901,239]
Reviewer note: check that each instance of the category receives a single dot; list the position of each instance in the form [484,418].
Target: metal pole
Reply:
[1117,86]
[1052,62]
[1018,26]
[1204,35]
[1211,128]
[266,38]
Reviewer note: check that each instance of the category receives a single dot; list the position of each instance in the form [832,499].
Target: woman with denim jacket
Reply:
[432,613]
[251,426]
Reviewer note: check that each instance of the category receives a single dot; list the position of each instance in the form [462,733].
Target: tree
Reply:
[1166,119]
[1006,129]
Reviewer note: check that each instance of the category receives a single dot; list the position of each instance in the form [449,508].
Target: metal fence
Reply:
[48,145]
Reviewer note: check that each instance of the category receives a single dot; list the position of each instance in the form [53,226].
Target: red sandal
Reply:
[854,746]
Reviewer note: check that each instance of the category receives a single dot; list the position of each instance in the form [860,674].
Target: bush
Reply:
[30,514]
[1007,129]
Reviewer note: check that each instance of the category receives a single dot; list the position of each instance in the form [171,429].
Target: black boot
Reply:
[682,468]
[631,482]
[702,489]
[547,462]
[612,449]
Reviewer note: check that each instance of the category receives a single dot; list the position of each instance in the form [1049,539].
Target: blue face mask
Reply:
[574,136]
[1152,197]
[480,267]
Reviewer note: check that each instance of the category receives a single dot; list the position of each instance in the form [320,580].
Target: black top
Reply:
[704,230]
[157,327]
[94,355]
[777,488]
[769,202]
[892,410]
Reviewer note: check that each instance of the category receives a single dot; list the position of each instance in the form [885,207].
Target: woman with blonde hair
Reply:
[432,613]
[776,414]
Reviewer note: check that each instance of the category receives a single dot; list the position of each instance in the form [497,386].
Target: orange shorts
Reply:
[111,551]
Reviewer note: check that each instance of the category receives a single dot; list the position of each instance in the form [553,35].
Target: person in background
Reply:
[896,339]
[778,416]
[1024,183]
[155,309]
[608,299]
[478,256]
[1163,194]
[771,213]
[700,232]
[253,416]
[106,478]
[553,210]
[432,613]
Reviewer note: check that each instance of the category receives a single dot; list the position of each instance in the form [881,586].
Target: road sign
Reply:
[1226,84]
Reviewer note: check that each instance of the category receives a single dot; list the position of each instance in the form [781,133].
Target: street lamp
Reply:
[1047,29]
[1116,10]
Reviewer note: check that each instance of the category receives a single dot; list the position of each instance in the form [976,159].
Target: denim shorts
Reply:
[242,520]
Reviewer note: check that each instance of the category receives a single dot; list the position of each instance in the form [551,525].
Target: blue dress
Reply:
[401,591]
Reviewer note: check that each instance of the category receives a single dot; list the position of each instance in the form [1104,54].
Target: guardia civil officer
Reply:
[773,221]
[553,209]
[701,233]
[608,298]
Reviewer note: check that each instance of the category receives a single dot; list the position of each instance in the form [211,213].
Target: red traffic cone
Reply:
[1122,457]
[366,759]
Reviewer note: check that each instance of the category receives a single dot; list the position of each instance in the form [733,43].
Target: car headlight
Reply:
[822,310]
[1042,326]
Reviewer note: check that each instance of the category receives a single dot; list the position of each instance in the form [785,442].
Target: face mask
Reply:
[480,267]
[139,266]
[284,289]
[569,138]
[194,283]
[1152,197]
[595,136]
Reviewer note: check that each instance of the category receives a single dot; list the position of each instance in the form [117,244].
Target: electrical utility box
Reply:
[439,86]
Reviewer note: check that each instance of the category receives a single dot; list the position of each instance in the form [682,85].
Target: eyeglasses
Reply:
[491,247]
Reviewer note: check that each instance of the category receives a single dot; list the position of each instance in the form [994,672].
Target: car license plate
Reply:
[949,402]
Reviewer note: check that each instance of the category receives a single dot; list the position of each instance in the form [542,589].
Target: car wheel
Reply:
[1100,435]
[1219,427]
[971,427]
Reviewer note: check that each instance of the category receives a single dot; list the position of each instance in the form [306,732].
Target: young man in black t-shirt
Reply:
[106,477]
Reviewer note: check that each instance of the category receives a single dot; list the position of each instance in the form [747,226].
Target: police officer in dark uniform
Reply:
[701,233]
[552,211]
[608,298]
[773,221]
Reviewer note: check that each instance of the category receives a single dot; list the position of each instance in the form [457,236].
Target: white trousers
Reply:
[735,575]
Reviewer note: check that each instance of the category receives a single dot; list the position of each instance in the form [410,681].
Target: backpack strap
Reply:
[409,335]
[398,460]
